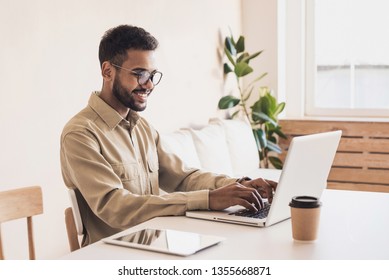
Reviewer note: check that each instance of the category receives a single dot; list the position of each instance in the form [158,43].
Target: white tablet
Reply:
[166,241]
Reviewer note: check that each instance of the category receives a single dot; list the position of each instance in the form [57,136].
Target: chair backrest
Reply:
[73,221]
[21,203]
[76,212]
[71,229]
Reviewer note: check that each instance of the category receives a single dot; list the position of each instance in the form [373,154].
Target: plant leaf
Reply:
[229,56]
[270,137]
[257,106]
[273,147]
[261,106]
[266,105]
[254,55]
[276,162]
[227,102]
[257,140]
[240,45]
[235,114]
[271,103]
[242,56]
[242,69]
[227,69]
[230,45]
[260,116]
[278,131]
[261,138]
[280,107]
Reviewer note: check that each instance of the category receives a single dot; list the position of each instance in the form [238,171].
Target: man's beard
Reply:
[126,97]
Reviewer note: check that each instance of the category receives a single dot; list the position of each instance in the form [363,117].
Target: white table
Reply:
[354,225]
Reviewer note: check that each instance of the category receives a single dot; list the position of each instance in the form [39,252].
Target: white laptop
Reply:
[305,172]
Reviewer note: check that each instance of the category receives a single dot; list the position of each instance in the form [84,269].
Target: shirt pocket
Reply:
[129,175]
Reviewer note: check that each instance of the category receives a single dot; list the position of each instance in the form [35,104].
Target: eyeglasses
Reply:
[143,76]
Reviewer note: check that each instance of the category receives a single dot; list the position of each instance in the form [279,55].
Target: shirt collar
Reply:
[109,115]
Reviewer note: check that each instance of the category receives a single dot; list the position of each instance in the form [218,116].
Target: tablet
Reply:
[165,241]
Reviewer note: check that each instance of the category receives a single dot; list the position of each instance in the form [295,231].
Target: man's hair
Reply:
[116,41]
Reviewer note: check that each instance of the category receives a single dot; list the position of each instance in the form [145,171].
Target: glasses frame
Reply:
[138,75]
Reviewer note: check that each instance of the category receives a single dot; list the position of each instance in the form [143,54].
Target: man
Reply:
[113,158]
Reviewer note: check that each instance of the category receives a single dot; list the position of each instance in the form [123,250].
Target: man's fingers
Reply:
[266,188]
[247,205]
[251,196]
[269,191]
[236,194]
[273,184]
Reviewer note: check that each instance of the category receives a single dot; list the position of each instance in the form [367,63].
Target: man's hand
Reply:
[265,188]
[248,194]
[235,194]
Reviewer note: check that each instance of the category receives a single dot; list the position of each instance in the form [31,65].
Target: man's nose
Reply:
[148,85]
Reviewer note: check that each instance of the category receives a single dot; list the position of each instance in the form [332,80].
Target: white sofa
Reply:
[222,146]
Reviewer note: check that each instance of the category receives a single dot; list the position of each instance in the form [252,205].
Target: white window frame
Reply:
[298,31]
[291,49]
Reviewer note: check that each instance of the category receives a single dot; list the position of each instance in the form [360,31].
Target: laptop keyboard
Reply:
[260,214]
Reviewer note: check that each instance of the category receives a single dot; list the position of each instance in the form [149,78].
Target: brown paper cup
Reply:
[305,216]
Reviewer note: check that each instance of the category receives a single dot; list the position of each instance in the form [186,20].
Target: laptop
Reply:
[305,172]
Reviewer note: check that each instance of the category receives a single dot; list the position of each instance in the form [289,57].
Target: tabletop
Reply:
[353,225]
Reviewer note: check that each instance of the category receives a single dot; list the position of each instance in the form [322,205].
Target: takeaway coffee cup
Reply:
[305,214]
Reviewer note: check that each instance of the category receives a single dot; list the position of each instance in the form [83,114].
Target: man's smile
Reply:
[142,93]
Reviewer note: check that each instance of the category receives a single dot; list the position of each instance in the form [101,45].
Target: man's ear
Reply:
[107,71]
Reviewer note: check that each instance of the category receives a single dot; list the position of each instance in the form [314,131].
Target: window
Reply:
[347,58]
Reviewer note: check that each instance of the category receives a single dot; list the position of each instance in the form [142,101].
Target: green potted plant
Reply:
[263,114]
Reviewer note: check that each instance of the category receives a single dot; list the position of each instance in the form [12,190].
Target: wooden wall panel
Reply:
[362,159]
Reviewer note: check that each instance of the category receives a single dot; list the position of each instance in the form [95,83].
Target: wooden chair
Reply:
[71,229]
[21,203]
[74,226]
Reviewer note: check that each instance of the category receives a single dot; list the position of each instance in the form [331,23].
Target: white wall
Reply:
[48,52]
[260,28]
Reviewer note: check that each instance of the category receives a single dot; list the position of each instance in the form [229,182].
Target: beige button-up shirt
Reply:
[117,167]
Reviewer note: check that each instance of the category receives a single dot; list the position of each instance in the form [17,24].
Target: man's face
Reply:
[126,87]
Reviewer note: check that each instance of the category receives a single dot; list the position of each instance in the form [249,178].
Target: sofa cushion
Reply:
[241,145]
[180,143]
[212,149]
